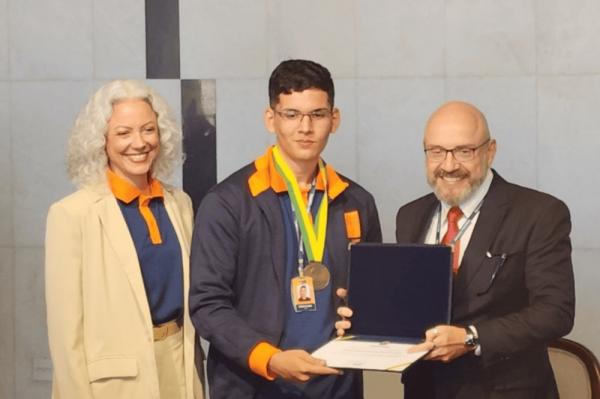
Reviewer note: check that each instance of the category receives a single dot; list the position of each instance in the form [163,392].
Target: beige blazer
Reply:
[99,323]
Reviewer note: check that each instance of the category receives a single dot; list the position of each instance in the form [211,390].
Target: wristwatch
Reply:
[471,339]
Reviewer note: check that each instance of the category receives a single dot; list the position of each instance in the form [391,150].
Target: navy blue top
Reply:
[305,330]
[161,264]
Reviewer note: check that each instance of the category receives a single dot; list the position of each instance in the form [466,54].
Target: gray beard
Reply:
[462,196]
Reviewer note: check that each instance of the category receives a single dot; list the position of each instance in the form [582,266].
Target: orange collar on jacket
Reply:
[267,177]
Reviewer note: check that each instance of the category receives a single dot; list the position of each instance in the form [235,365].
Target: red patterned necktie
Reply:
[454,214]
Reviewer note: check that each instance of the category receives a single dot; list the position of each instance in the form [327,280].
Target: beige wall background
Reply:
[532,66]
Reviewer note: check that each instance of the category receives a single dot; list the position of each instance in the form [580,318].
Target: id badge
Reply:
[303,294]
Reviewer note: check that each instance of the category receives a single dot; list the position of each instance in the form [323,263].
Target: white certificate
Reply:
[349,353]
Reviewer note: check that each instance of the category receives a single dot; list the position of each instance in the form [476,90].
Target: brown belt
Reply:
[167,329]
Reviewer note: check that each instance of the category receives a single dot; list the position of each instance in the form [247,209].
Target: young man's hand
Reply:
[297,365]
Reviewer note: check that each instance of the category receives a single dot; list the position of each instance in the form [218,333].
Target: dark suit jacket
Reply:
[238,268]
[530,301]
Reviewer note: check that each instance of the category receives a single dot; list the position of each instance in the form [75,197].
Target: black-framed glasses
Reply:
[293,115]
[460,153]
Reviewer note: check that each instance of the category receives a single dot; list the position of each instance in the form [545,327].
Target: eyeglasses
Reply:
[461,154]
[293,115]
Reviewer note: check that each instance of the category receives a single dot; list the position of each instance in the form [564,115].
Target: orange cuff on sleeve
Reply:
[259,359]
[352,225]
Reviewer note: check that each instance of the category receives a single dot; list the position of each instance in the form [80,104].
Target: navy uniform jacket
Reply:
[530,301]
[238,267]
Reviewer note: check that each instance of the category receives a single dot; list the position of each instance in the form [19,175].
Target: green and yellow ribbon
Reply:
[313,235]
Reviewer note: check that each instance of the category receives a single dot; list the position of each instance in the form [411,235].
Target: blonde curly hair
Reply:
[86,154]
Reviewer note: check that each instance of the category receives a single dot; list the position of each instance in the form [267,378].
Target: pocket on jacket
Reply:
[499,273]
[112,368]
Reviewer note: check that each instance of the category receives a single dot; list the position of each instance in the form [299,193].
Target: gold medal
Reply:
[319,273]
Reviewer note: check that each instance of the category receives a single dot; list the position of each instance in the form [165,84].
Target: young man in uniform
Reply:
[283,221]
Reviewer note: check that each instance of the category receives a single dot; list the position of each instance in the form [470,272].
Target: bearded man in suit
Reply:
[513,284]
[513,288]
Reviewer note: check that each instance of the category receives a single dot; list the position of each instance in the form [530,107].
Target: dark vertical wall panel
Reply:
[198,98]
[162,39]
[198,105]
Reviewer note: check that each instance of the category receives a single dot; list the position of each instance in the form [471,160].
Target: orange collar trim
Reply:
[127,192]
[266,177]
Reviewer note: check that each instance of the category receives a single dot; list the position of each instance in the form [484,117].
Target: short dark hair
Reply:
[299,75]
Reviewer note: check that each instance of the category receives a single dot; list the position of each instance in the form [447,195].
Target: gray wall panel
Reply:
[7,315]
[587,328]
[242,133]
[223,39]
[490,37]
[392,114]
[393,43]
[6,182]
[32,376]
[567,35]
[319,30]
[119,39]
[568,121]
[509,104]
[39,135]
[341,151]
[4,39]
[50,39]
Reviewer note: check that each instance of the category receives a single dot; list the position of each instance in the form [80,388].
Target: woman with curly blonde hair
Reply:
[117,255]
